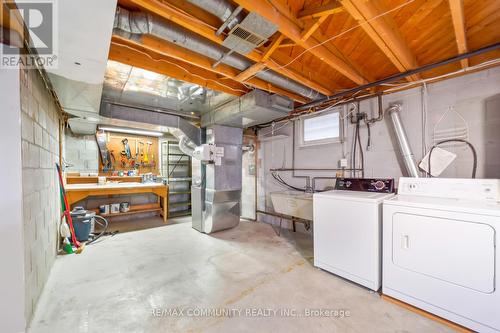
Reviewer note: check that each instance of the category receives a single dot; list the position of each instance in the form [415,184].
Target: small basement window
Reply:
[320,129]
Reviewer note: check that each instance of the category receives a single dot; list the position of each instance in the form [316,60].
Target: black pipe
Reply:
[286,217]
[313,169]
[401,75]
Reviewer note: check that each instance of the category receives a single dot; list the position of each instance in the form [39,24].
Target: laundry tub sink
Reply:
[293,203]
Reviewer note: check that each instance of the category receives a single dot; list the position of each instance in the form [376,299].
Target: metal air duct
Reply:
[254,108]
[222,9]
[132,25]
[402,140]
[178,126]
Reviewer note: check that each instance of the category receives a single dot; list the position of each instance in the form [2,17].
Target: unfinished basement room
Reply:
[250,166]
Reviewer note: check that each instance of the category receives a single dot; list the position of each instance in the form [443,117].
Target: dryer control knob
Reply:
[379,185]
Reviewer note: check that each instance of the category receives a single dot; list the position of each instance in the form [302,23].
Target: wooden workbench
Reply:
[93,180]
[78,192]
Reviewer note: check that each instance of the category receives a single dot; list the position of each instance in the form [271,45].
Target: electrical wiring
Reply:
[294,116]
[402,86]
[369,141]
[463,70]
[425,97]
[282,182]
[330,38]
[354,147]
[179,66]
[361,154]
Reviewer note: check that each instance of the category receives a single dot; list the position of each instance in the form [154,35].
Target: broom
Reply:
[66,213]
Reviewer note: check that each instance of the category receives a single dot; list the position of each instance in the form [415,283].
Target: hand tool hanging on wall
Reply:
[127,148]
[146,158]
[142,152]
[106,156]
[123,159]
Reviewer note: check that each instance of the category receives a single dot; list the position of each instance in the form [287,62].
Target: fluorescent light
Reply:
[130,131]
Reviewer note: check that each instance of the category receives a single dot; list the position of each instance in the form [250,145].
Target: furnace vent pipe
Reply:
[185,144]
[402,140]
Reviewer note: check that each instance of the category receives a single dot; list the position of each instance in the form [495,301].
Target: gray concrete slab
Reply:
[139,281]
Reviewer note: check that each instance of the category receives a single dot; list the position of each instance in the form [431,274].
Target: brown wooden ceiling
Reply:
[411,34]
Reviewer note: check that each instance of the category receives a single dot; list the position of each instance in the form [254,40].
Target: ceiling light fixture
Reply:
[130,131]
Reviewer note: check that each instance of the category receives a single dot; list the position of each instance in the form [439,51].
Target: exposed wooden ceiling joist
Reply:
[254,69]
[312,27]
[293,29]
[166,49]
[171,13]
[251,71]
[457,15]
[324,10]
[11,20]
[383,31]
[272,47]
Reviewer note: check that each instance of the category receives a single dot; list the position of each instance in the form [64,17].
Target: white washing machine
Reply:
[440,249]
[348,228]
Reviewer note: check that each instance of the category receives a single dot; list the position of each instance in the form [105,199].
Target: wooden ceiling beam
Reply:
[272,47]
[12,23]
[173,68]
[292,28]
[171,13]
[285,45]
[312,27]
[324,10]
[250,71]
[166,49]
[457,16]
[384,32]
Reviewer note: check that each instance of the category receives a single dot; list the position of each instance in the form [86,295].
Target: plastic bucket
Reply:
[82,229]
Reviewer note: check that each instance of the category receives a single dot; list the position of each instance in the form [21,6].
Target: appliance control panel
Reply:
[365,185]
[452,188]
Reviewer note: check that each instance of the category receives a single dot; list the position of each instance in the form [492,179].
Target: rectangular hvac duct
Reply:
[251,33]
[256,107]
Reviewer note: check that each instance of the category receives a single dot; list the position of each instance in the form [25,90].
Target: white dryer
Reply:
[440,249]
[348,229]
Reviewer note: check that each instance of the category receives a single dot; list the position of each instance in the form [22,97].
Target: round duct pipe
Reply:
[402,140]
[133,24]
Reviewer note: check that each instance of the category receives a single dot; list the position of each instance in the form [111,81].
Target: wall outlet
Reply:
[343,163]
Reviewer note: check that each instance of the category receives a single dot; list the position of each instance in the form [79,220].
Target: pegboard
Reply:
[116,147]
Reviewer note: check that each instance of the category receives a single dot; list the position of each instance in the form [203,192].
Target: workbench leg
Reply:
[165,209]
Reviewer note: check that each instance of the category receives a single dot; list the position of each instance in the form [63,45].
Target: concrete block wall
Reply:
[475,97]
[41,203]
[81,153]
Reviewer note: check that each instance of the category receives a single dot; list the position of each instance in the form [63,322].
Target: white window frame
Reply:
[339,139]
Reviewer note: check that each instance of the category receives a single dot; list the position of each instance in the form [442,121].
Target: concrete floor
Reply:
[115,285]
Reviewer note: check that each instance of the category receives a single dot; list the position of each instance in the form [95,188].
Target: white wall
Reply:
[12,304]
[468,95]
